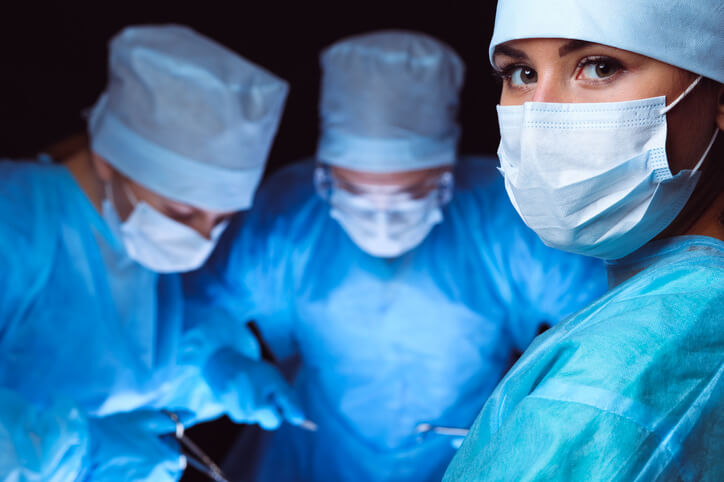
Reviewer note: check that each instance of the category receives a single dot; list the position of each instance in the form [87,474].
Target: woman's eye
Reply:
[598,70]
[520,76]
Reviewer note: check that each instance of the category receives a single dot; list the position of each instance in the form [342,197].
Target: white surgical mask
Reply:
[593,179]
[386,233]
[158,242]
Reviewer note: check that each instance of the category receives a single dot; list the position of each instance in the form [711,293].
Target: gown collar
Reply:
[661,251]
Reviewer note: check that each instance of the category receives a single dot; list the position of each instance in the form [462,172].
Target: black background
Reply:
[53,58]
[53,65]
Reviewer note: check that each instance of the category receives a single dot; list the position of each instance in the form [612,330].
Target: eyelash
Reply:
[503,74]
[615,64]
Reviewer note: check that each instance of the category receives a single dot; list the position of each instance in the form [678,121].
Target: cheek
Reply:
[690,126]
[123,208]
[120,201]
[510,96]
[201,225]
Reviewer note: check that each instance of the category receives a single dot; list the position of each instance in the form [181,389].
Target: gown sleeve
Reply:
[630,388]
[249,276]
[28,218]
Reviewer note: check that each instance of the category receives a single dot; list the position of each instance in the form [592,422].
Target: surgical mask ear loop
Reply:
[681,97]
[706,152]
[108,188]
[445,188]
[129,194]
[716,130]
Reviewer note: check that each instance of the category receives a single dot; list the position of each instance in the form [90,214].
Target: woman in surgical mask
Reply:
[91,301]
[610,119]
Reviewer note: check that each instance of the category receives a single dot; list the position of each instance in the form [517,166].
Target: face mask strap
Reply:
[681,97]
[129,194]
[445,188]
[108,189]
[706,152]
[323,182]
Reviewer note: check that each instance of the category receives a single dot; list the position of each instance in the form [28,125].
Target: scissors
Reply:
[308,425]
[195,456]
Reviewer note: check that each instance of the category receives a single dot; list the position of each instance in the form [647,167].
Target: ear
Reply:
[720,108]
[102,167]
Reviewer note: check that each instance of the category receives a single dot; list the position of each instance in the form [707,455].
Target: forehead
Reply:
[525,49]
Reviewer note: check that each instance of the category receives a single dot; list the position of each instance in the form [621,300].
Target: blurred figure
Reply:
[42,443]
[398,273]
[90,305]
[611,147]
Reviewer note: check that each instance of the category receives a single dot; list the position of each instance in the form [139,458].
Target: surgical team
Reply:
[392,282]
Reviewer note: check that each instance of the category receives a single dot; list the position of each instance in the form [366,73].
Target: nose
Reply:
[549,88]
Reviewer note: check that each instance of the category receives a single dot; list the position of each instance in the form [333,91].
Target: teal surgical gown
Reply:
[629,388]
[79,320]
[387,344]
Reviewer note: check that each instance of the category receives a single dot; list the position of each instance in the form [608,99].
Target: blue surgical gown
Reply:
[43,444]
[629,388]
[79,320]
[387,344]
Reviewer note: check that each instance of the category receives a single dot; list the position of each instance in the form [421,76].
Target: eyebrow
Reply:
[572,46]
[509,52]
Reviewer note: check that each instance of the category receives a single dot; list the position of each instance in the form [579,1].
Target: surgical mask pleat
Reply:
[386,232]
[585,197]
[158,242]
[592,178]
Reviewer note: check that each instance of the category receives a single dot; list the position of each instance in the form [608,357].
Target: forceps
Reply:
[439,429]
[195,456]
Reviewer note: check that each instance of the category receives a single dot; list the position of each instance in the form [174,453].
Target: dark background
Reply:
[53,65]
[53,58]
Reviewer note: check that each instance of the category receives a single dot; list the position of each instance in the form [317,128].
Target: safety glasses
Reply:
[375,197]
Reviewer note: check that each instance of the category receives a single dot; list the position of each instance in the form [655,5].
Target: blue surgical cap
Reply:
[389,103]
[186,117]
[688,34]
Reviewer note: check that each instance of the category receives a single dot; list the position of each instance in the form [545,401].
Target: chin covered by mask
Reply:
[386,233]
[158,242]
[387,225]
[593,179]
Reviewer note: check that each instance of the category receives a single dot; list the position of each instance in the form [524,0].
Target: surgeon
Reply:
[93,339]
[610,118]
[398,273]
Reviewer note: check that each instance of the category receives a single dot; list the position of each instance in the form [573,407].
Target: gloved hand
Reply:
[128,446]
[252,391]
[40,443]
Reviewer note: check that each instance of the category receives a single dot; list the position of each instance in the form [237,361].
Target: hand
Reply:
[128,446]
[41,442]
[252,390]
